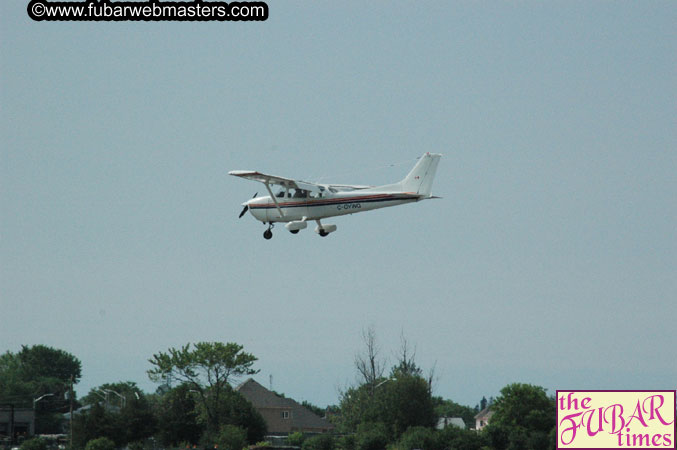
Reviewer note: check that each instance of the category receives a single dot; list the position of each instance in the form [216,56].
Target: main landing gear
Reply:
[268,233]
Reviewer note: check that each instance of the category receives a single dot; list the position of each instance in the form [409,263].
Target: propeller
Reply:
[246,207]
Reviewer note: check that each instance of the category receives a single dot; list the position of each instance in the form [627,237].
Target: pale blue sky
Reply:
[552,258]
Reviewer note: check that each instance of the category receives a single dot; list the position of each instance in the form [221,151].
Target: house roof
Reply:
[260,397]
[485,413]
[446,421]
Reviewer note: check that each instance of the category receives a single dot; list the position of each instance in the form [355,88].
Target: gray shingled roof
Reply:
[261,397]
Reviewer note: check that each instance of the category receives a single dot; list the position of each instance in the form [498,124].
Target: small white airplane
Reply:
[297,202]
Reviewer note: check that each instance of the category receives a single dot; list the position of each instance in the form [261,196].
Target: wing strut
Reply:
[277,205]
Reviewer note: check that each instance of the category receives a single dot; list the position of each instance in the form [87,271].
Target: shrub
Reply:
[231,437]
[319,442]
[346,442]
[418,437]
[372,436]
[101,443]
[34,444]
[296,439]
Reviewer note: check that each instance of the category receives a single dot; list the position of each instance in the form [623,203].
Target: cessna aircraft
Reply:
[296,202]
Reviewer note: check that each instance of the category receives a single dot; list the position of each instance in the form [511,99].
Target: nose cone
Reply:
[258,213]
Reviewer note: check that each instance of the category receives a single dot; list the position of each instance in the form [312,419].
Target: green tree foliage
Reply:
[234,409]
[449,408]
[523,418]
[397,403]
[296,439]
[94,423]
[319,442]
[231,437]
[408,404]
[110,392]
[371,436]
[34,372]
[207,368]
[315,409]
[41,363]
[456,438]
[34,444]
[346,442]
[178,418]
[14,386]
[137,420]
[418,437]
[101,443]
[123,420]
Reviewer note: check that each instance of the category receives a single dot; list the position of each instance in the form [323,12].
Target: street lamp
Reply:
[35,400]
[384,382]
[124,399]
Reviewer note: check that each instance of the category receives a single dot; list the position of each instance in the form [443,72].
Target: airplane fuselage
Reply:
[339,204]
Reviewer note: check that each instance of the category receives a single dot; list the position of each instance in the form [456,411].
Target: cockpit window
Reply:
[300,193]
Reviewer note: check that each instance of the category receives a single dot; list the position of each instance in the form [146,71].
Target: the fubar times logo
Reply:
[616,419]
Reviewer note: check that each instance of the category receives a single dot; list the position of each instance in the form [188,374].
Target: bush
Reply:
[296,439]
[458,438]
[231,438]
[100,444]
[371,436]
[418,437]
[320,442]
[346,442]
[34,444]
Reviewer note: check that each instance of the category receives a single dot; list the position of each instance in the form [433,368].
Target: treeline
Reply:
[195,405]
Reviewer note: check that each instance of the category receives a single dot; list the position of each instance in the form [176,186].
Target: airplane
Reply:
[297,202]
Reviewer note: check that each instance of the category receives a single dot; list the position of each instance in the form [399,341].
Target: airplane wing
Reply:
[274,179]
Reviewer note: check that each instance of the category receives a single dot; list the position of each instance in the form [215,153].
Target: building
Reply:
[16,423]
[282,415]
[450,421]
[483,417]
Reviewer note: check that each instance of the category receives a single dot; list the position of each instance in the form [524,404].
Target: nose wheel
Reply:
[268,233]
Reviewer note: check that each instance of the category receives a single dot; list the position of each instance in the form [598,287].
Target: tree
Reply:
[118,411]
[96,422]
[371,436]
[449,408]
[458,438]
[34,444]
[40,362]
[523,417]
[407,404]
[396,403]
[100,444]
[369,365]
[231,438]
[137,420]
[418,437]
[207,368]
[319,442]
[178,418]
[39,371]
[111,392]
[406,364]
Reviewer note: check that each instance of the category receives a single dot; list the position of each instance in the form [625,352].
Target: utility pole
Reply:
[70,398]
[11,423]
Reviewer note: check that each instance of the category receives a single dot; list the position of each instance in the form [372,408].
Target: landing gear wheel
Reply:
[294,231]
[323,233]
[268,234]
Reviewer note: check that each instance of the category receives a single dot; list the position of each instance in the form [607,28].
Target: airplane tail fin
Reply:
[420,179]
